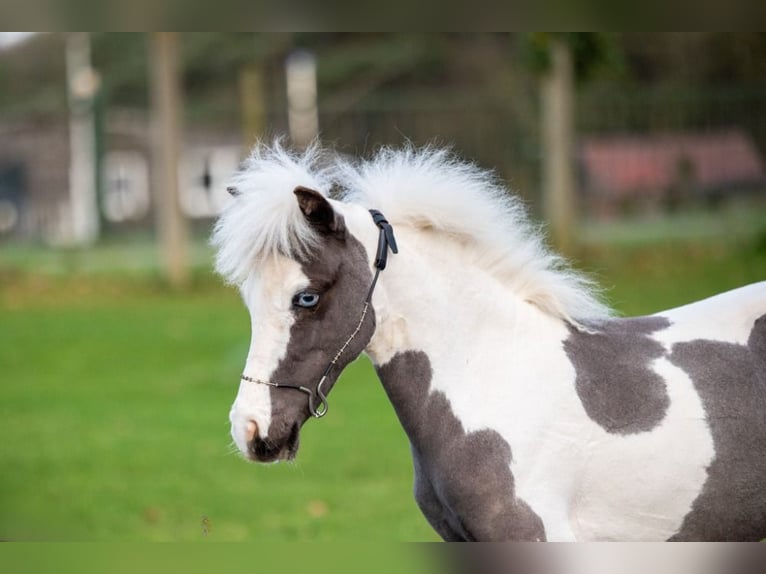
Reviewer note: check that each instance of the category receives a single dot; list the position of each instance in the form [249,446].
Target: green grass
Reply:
[115,427]
[736,220]
[114,396]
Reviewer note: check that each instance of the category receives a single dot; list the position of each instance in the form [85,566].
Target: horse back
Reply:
[685,390]
[729,316]
[720,343]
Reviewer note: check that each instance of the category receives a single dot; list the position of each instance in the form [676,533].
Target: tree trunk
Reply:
[166,112]
[557,94]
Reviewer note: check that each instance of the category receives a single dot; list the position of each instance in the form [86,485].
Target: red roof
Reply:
[623,164]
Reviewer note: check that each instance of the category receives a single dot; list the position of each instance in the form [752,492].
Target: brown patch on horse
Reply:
[463,481]
[731,380]
[614,380]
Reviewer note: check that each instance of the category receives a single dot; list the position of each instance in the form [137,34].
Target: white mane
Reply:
[430,188]
[426,188]
[264,219]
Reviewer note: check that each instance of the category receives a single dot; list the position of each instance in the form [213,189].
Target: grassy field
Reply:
[114,411]
[114,395]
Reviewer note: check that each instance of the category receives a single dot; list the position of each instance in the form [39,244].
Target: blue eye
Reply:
[305,300]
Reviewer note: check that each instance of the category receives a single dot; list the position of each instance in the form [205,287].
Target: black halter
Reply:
[386,241]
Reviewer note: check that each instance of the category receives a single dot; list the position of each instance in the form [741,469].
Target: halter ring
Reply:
[315,412]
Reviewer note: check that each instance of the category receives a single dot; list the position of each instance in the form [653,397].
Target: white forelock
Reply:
[264,219]
[430,188]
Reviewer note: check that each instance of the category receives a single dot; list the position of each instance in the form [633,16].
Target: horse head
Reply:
[309,308]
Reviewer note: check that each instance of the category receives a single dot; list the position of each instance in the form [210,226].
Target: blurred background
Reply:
[120,351]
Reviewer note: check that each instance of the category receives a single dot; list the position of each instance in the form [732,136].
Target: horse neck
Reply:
[442,319]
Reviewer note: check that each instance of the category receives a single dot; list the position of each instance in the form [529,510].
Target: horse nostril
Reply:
[264,450]
[251,430]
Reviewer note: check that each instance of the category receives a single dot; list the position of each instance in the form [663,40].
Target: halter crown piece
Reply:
[386,241]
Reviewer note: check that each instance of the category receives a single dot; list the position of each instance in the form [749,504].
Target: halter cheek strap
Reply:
[317,399]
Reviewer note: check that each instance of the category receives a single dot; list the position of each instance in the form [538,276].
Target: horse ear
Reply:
[318,211]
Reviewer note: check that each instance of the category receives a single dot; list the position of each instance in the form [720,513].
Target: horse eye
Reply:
[305,300]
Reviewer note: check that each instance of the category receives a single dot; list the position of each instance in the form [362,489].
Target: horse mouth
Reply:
[291,447]
[267,450]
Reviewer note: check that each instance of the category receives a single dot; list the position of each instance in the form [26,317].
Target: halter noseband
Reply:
[386,241]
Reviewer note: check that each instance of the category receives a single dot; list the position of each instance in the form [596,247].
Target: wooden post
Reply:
[302,112]
[557,93]
[165,117]
[251,101]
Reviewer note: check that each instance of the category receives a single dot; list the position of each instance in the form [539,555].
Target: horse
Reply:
[533,412]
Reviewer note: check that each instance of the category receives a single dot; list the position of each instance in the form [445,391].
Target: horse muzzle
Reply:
[272,448]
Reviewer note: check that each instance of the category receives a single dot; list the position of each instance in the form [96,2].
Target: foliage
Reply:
[32,75]
[592,52]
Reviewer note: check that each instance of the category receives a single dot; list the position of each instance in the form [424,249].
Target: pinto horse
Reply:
[532,412]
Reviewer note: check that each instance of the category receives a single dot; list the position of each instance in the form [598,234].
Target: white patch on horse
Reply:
[268,295]
[728,317]
[622,492]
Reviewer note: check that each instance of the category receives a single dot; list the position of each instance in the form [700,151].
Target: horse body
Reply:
[629,467]
[532,415]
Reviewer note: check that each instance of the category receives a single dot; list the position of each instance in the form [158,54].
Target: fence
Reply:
[500,132]
[670,149]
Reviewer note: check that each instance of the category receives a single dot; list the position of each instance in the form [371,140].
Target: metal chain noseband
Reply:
[314,411]
[386,241]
